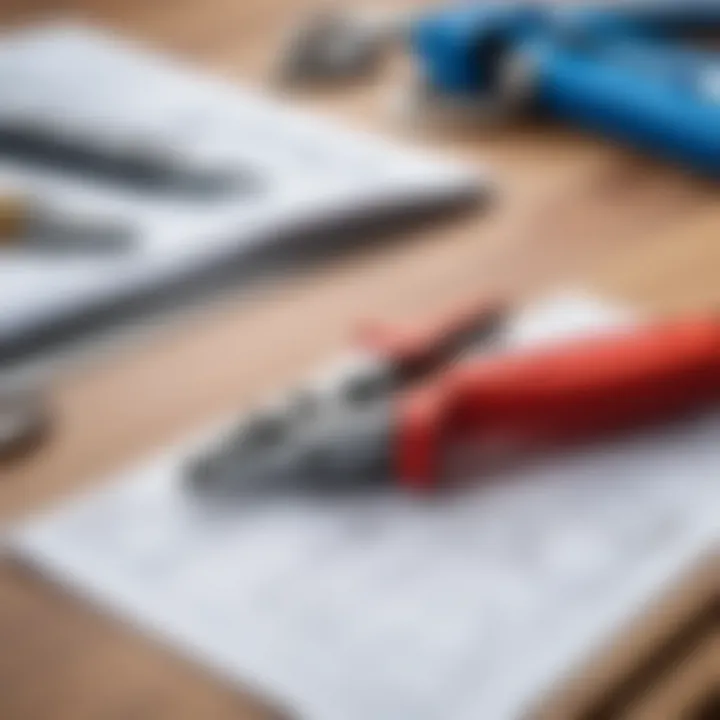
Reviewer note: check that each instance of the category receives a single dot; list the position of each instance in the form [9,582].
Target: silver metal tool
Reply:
[273,441]
[332,45]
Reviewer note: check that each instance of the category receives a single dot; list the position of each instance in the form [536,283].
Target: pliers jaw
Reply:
[346,449]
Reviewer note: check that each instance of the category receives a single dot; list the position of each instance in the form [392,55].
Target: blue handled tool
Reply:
[618,71]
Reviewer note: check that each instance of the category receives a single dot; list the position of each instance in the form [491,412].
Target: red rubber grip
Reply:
[571,391]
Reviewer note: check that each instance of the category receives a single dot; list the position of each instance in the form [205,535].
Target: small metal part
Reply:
[24,421]
[331,45]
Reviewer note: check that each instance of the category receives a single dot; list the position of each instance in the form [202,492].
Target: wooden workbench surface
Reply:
[570,210]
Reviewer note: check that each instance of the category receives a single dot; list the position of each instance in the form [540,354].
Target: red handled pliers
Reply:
[417,394]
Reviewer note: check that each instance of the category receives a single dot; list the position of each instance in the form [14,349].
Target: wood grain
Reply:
[570,210]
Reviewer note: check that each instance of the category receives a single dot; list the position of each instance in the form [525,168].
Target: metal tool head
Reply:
[332,45]
[334,452]
[327,435]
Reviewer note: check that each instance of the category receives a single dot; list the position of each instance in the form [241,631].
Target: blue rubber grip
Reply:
[454,45]
[666,117]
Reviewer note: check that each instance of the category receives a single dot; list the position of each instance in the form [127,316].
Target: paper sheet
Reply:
[303,173]
[465,606]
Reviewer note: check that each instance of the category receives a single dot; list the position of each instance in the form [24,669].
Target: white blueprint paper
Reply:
[460,607]
[303,172]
